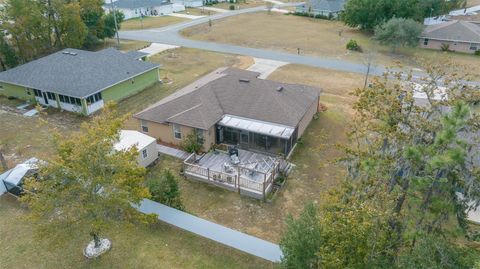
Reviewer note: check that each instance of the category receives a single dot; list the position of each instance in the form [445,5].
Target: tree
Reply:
[8,56]
[367,14]
[302,239]
[109,29]
[165,190]
[72,30]
[86,184]
[399,32]
[93,16]
[25,22]
[411,176]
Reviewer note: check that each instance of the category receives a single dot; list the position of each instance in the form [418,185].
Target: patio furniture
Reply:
[228,168]
[234,159]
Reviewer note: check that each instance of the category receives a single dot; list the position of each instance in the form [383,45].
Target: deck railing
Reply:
[234,181]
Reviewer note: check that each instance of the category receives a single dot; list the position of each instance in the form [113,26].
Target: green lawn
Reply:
[155,246]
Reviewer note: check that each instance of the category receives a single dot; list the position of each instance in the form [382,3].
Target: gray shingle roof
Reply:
[327,5]
[204,102]
[463,31]
[78,75]
[133,4]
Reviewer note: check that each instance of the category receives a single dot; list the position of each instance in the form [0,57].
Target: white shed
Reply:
[146,146]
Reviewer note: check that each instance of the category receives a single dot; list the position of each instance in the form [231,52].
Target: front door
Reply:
[45,98]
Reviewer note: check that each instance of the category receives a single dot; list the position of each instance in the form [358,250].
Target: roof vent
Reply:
[280,88]
[244,80]
[69,53]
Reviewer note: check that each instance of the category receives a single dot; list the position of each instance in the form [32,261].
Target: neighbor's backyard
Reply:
[315,37]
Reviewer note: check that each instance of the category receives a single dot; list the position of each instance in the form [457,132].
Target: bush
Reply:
[445,47]
[477,52]
[191,143]
[165,190]
[231,7]
[353,45]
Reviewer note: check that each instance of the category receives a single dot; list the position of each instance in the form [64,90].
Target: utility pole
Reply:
[116,25]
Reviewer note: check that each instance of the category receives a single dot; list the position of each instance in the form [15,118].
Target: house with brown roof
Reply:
[234,107]
[460,36]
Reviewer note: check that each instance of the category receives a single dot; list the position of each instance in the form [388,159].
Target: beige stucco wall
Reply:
[454,46]
[307,118]
[164,133]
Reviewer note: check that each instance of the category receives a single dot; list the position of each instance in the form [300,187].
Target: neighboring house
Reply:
[79,81]
[189,3]
[12,180]
[145,145]
[461,36]
[234,107]
[328,8]
[136,8]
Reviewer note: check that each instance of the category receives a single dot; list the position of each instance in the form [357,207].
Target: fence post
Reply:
[239,178]
[208,174]
[264,180]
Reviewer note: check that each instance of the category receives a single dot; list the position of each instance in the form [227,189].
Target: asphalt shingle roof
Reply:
[77,73]
[454,31]
[234,92]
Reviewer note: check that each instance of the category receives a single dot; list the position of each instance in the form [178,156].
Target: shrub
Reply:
[445,47]
[192,143]
[231,7]
[477,52]
[165,190]
[353,45]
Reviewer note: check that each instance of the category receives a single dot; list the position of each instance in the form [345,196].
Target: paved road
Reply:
[170,35]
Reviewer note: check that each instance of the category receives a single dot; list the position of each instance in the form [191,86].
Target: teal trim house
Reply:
[79,81]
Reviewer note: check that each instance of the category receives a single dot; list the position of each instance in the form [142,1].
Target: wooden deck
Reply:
[254,175]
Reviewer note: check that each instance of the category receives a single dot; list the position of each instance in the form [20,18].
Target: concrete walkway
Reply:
[218,233]
[265,66]
[180,154]
[155,48]
[185,16]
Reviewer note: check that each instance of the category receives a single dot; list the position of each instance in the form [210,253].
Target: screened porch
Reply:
[256,135]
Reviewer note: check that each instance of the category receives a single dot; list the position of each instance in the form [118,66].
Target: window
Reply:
[144,153]
[94,98]
[51,96]
[70,100]
[144,125]
[425,41]
[177,132]
[37,93]
[473,46]
[200,137]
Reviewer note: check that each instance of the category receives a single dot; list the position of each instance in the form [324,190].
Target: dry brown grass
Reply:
[314,37]
[150,22]
[134,246]
[471,3]
[241,4]
[198,11]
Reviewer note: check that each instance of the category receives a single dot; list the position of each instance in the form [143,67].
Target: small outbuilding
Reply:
[146,146]
[12,180]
